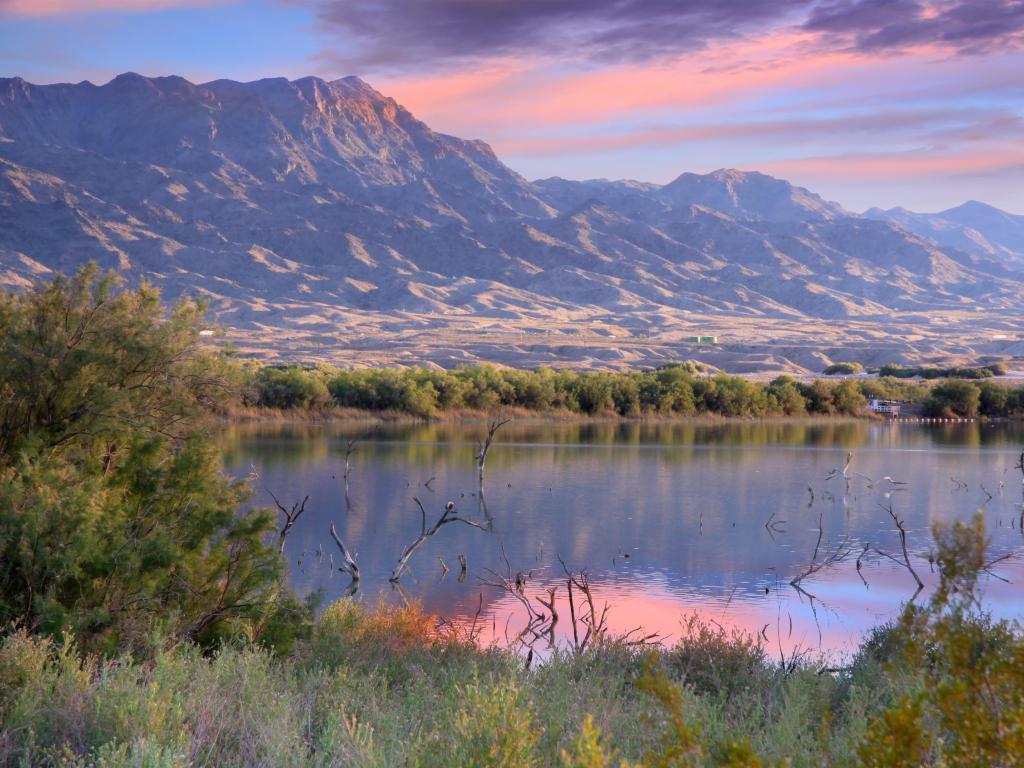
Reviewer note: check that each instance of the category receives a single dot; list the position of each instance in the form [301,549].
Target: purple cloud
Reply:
[966,26]
[405,33]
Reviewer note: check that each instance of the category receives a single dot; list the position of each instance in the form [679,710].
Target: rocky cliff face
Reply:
[303,203]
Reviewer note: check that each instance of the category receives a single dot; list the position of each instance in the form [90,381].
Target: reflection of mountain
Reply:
[687,501]
[324,209]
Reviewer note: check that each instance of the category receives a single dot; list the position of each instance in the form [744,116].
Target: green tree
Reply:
[953,398]
[114,510]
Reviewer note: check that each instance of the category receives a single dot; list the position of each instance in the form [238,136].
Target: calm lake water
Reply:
[668,518]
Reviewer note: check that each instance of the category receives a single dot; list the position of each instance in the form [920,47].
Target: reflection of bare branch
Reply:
[291,516]
[774,526]
[906,554]
[348,562]
[859,558]
[448,516]
[986,568]
[839,554]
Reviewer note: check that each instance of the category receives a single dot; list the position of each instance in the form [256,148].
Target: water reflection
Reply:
[687,502]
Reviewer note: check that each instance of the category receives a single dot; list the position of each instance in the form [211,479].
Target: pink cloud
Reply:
[56,7]
[963,125]
[898,165]
[511,94]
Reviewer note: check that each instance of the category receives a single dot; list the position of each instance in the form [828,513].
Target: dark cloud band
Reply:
[404,34]
[965,26]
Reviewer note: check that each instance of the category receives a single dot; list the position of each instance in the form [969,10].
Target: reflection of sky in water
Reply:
[687,502]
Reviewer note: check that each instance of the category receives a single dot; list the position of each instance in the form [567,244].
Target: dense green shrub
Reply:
[843,369]
[953,399]
[675,389]
[291,387]
[115,516]
[937,372]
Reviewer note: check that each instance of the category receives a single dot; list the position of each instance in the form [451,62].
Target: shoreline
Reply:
[523,416]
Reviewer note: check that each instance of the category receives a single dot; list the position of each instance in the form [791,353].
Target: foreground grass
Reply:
[382,687]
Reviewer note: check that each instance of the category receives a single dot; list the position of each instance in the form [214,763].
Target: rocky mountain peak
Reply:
[299,205]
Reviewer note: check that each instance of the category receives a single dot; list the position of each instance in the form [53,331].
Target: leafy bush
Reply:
[843,369]
[938,372]
[291,387]
[114,513]
[953,399]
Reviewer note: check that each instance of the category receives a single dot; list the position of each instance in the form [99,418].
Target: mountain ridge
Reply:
[312,208]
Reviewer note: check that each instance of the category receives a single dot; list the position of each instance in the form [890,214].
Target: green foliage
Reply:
[589,749]
[291,387]
[968,706]
[115,516]
[680,389]
[843,369]
[713,662]
[384,686]
[953,399]
[938,372]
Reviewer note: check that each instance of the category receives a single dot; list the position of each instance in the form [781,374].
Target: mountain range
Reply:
[323,220]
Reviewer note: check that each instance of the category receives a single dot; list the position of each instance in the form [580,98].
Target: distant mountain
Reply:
[307,206]
[973,227]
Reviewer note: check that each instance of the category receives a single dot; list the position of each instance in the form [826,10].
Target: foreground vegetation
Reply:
[144,620]
[381,687]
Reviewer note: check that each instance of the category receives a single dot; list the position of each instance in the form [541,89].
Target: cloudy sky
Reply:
[917,103]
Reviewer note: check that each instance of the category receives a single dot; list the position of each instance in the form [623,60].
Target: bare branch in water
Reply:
[838,555]
[291,516]
[448,516]
[485,446]
[348,564]
[903,546]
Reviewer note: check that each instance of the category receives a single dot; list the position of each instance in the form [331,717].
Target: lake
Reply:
[669,519]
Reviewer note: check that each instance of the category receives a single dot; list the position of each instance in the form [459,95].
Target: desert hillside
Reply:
[322,220]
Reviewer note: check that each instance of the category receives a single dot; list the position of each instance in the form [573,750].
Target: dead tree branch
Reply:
[485,446]
[448,516]
[903,546]
[837,555]
[291,516]
[348,564]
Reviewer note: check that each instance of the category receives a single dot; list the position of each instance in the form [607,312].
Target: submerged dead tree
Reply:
[484,447]
[831,557]
[906,554]
[291,517]
[348,562]
[448,516]
[1020,466]
[350,447]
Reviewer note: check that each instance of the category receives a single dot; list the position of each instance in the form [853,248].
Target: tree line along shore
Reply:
[145,617]
[683,389]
